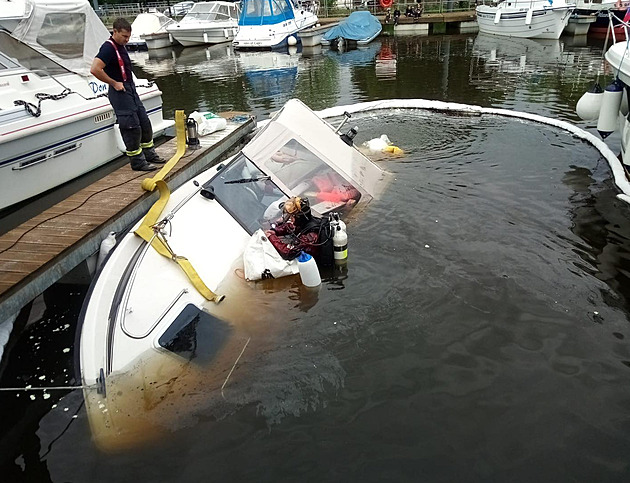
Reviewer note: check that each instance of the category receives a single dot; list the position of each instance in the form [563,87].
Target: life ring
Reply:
[386,3]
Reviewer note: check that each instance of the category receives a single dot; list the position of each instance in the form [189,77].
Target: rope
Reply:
[51,388]
[36,110]
[234,366]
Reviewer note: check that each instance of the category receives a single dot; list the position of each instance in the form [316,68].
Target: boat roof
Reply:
[150,23]
[67,31]
[315,136]
[265,12]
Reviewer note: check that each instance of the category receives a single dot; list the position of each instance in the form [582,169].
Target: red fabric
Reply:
[291,246]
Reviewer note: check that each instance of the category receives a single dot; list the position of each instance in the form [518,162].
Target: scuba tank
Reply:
[340,244]
[336,220]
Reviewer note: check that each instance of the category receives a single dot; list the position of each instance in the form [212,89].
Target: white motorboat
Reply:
[153,25]
[207,23]
[56,122]
[534,19]
[614,101]
[271,24]
[146,332]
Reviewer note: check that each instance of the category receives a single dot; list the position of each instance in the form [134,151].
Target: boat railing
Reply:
[614,24]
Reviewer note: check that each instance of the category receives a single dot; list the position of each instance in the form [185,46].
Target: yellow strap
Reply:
[148,184]
[146,230]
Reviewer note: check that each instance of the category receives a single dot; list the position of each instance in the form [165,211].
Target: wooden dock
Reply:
[42,250]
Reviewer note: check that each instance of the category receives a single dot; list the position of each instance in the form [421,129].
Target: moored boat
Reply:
[361,27]
[56,122]
[271,24]
[207,23]
[540,19]
[153,24]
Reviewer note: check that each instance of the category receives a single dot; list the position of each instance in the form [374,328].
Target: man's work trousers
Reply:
[135,127]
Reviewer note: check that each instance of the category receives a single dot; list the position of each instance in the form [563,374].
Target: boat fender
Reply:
[624,102]
[309,274]
[120,144]
[340,244]
[609,113]
[107,244]
[395,150]
[590,103]
[291,40]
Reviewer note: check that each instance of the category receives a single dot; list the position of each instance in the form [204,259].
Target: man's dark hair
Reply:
[122,24]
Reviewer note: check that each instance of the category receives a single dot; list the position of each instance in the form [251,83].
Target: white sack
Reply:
[260,255]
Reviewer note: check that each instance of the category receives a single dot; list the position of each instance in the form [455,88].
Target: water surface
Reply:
[478,333]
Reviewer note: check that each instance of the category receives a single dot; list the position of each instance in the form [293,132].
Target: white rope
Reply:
[232,370]
[51,388]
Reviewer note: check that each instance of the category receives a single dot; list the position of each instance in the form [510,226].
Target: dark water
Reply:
[478,334]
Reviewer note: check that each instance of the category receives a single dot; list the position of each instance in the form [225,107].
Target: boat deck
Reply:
[42,250]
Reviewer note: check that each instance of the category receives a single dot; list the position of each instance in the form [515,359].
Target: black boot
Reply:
[152,157]
[139,163]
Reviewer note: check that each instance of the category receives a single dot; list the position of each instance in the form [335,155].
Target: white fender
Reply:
[624,103]
[528,17]
[609,112]
[119,140]
[106,246]
[590,103]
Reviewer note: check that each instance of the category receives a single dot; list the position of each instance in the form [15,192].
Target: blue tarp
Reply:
[265,12]
[360,25]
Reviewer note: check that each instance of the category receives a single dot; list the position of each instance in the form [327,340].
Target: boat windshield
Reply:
[246,193]
[306,175]
[15,52]
[265,12]
[210,12]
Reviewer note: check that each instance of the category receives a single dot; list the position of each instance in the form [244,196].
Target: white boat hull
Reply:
[61,145]
[544,23]
[271,36]
[140,298]
[158,41]
[204,35]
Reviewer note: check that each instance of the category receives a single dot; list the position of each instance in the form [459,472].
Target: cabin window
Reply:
[63,34]
[306,175]
[195,335]
[6,63]
[246,193]
[17,52]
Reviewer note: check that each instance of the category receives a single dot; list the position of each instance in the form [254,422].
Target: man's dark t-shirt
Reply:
[108,55]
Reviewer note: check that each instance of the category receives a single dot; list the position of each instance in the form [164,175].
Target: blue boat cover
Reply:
[360,25]
[265,12]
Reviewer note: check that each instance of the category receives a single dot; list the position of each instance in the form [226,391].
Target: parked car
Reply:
[179,9]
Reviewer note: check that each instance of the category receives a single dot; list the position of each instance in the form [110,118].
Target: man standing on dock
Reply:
[113,66]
